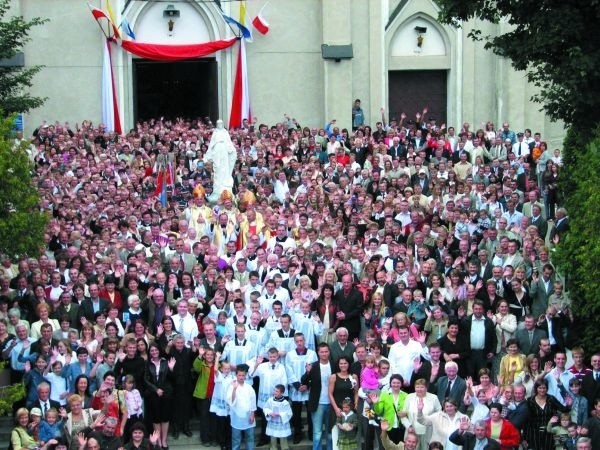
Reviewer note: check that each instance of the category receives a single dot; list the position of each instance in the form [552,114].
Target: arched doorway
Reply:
[419,65]
[173,89]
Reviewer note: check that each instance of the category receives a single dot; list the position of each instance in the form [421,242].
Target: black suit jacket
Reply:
[468,441]
[73,314]
[590,388]
[487,271]
[312,379]
[53,404]
[162,380]
[352,307]
[559,323]
[490,332]
[86,309]
[425,373]
[519,416]
[560,228]
[459,387]
[390,293]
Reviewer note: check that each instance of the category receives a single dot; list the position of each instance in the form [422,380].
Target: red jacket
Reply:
[510,437]
[117,300]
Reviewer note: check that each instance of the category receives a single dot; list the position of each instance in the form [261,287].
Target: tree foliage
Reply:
[14,81]
[554,41]
[579,252]
[22,224]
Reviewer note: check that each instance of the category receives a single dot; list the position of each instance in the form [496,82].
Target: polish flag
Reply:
[261,25]
[240,103]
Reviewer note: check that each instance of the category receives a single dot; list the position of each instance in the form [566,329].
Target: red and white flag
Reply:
[259,22]
[240,103]
[110,106]
[261,25]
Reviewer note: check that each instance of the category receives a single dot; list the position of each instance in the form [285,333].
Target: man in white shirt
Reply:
[185,324]
[241,399]
[403,353]
[558,379]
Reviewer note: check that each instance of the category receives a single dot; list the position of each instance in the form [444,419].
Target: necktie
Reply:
[531,338]
[182,264]
[597,376]
[44,408]
[272,366]
[180,325]
[448,389]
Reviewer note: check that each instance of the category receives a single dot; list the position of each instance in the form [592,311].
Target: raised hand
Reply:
[417,364]
[171,363]
[420,404]
[81,439]
[373,397]
[464,424]
[154,437]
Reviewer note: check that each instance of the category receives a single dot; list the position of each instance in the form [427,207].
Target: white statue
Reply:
[223,155]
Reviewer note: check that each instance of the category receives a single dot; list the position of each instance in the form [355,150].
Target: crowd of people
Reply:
[389,287]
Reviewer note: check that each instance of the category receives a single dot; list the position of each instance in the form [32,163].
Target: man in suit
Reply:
[529,337]
[553,323]
[481,333]
[561,226]
[390,290]
[46,335]
[91,306]
[476,440]
[44,402]
[67,308]
[397,150]
[519,416]
[485,266]
[538,221]
[541,289]
[341,347]
[590,385]
[451,385]
[527,208]
[422,180]
[350,303]
[430,370]
[186,260]
[318,405]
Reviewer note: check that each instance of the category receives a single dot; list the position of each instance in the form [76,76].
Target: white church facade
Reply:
[318,56]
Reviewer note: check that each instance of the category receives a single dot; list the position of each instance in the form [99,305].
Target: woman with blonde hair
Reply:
[431,404]
[306,290]
[43,311]
[401,319]
[376,312]
[78,419]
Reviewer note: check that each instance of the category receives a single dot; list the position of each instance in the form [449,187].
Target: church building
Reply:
[317,58]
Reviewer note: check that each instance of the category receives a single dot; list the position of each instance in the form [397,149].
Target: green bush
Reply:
[578,253]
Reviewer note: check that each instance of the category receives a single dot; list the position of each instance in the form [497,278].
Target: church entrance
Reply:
[412,90]
[186,89]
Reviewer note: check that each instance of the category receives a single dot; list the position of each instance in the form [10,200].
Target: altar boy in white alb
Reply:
[278,413]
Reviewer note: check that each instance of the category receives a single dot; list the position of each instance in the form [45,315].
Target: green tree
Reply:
[578,252]
[22,224]
[553,41]
[555,44]
[14,81]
